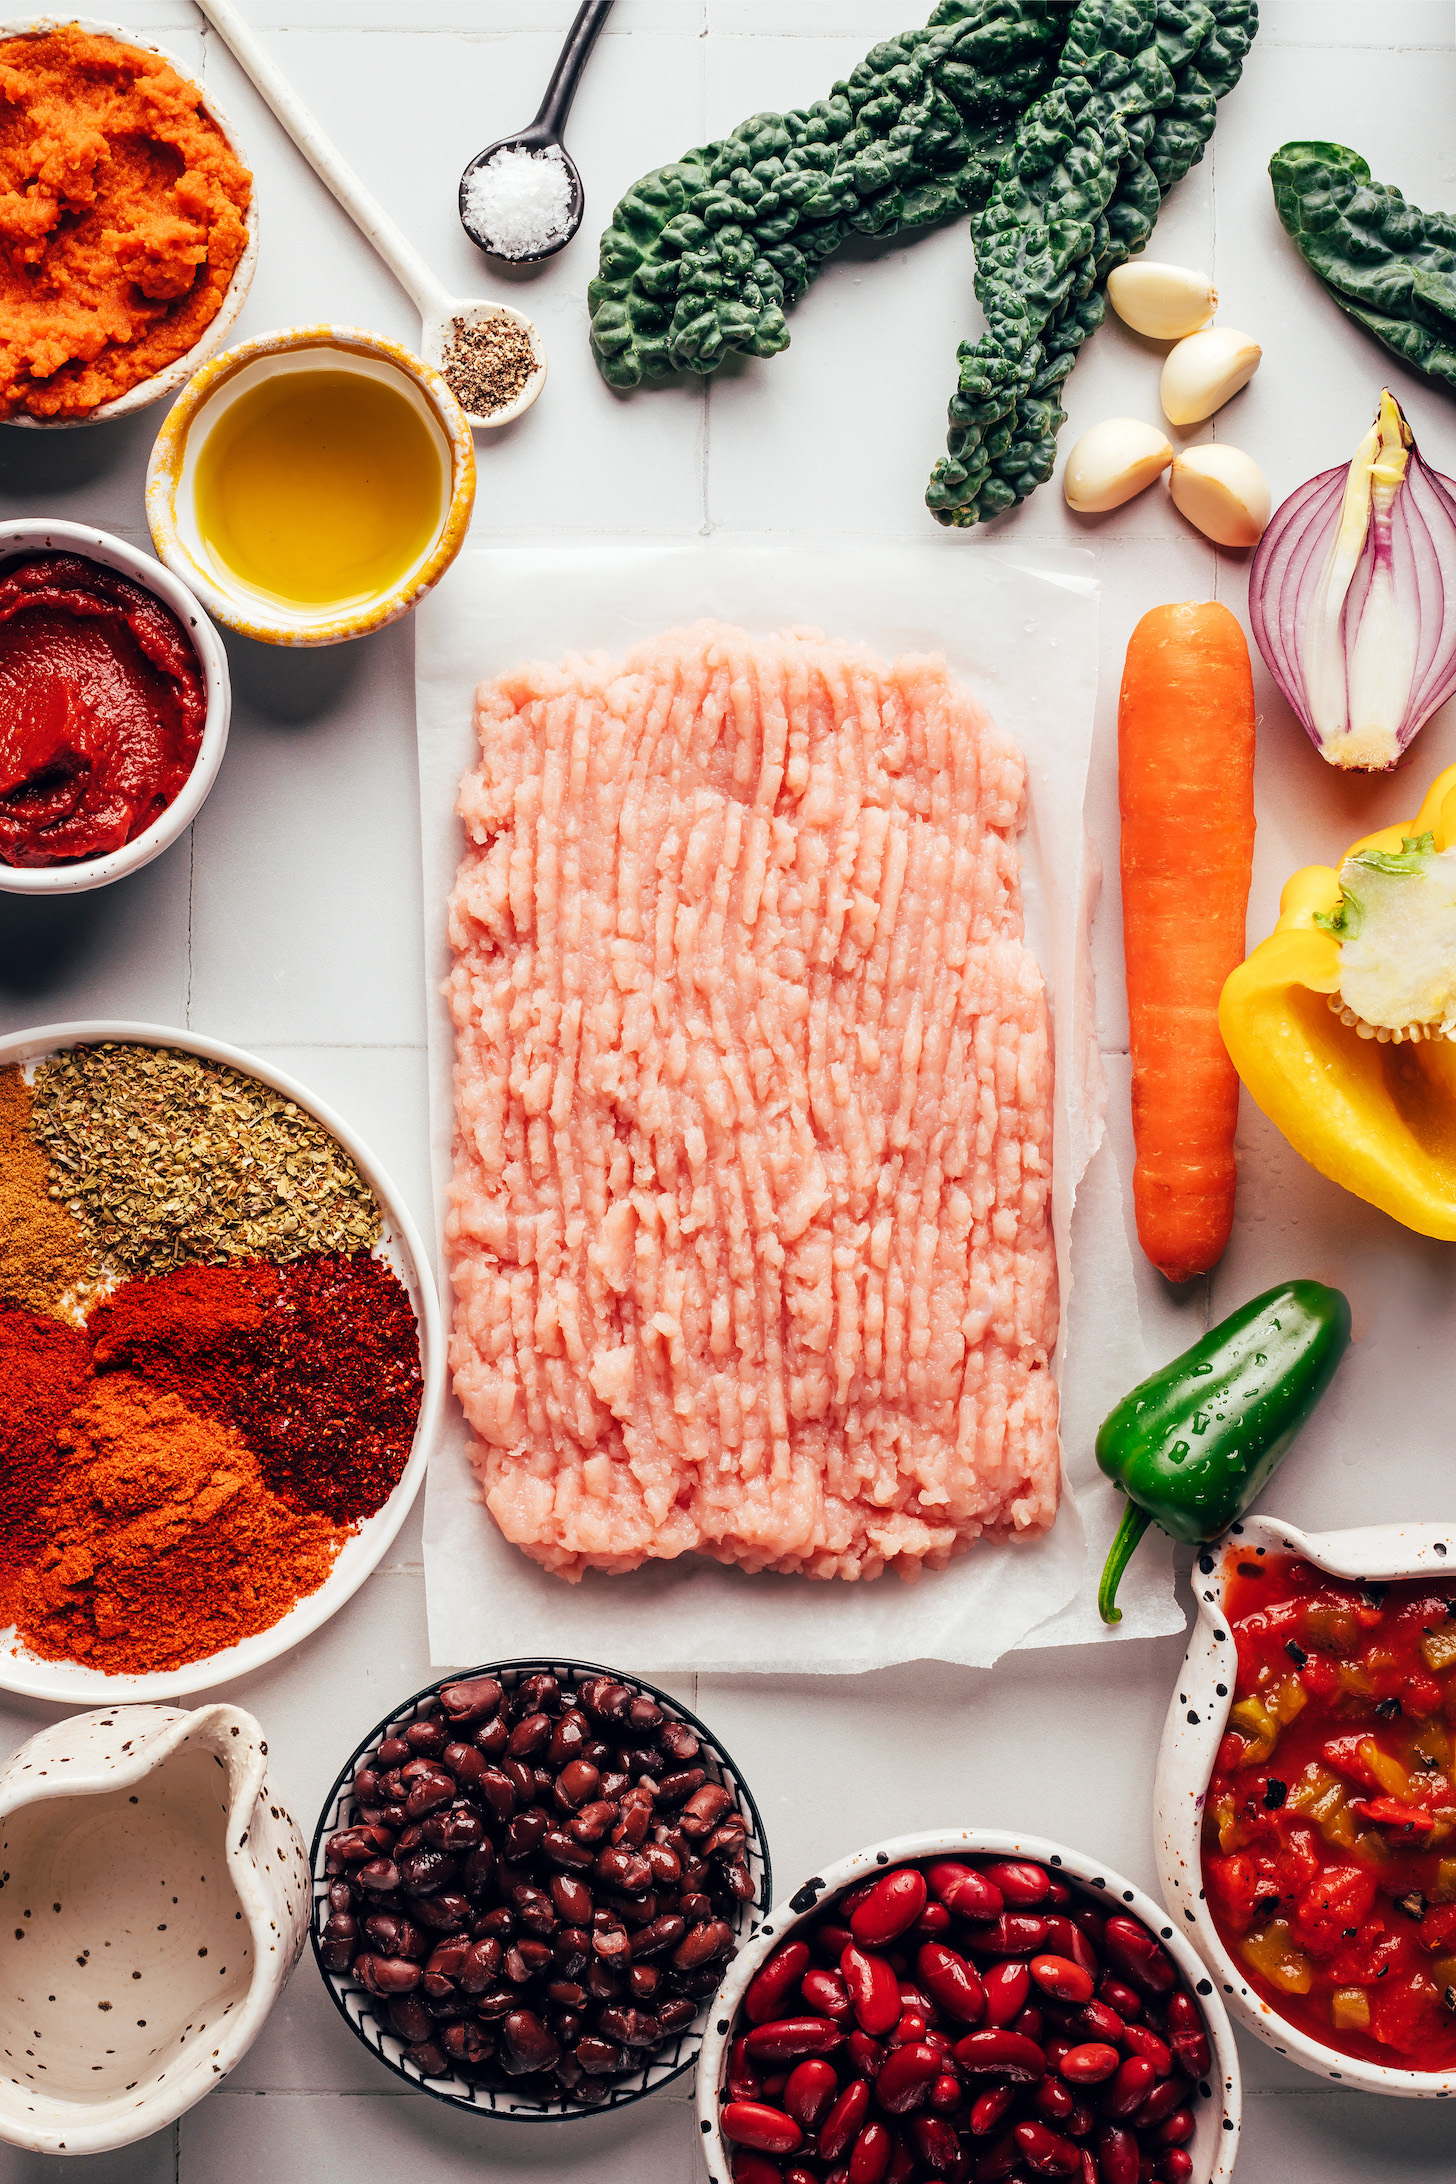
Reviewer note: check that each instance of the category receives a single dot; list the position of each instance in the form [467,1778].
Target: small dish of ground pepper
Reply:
[221,1326]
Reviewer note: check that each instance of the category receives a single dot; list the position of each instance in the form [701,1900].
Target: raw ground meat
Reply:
[750,1226]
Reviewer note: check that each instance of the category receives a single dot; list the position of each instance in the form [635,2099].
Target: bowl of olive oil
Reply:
[311,485]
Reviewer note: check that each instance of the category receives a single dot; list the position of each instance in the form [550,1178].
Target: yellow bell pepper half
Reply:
[1379,1119]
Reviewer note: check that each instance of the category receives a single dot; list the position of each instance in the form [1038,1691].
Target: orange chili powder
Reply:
[122,219]
[163,1544]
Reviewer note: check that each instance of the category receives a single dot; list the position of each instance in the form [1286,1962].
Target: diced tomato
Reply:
[1236,1884]
[1391,1812]
[1421,1695]
[1438,1928]
[1343,1753]
[1341,1898]
[1230,1752]
[1404,2014]
[1319,1676]
[1368,1955]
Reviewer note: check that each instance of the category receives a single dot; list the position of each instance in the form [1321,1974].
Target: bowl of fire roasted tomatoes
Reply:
[968,2004]
[1306,1796]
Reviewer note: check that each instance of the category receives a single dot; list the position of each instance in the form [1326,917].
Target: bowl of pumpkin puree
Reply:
[128,225]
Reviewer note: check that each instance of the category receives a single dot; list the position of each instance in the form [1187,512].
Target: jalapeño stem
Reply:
[1134,1523]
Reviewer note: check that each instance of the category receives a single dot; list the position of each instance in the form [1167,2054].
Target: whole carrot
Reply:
[1185,765]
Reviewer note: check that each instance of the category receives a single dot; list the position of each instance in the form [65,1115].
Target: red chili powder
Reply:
[44,1369]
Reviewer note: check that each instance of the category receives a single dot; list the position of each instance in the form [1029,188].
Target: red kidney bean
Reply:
[965,1891]
[893,1904]
[902,2165]
[951,1982]
[1089,2063]
[762,2129]
[1129,2089]
[830,1942]
[1020,1882]
[905,2078]
[1001,2054]
[1079,2124]
[775,1981]
[1014,1934]
[1187,2037]
[811,2092]
[795,2175]
[863,2054]
[1098,2022]
[1175,2166]
[1053,2101]
[936,2144]
[787,2038]
[469,1703]
[1118,1996]
[1166,2097]
[755,2169]
[1006,1987]
[1030,2024]
[1061,1978]
[912,2027]
[826,1994]
[1138,2040]
[1138,1957]
[946,2094]
[1177,2128]
[873,1989]
[933,1924]
[870,2157]
[841,2127]
[1045,2151]
[1067,1939]
[989,2107]
[1118,2159]
[1003,2160]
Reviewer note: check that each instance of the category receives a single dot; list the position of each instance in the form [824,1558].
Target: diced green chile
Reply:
[1389,265]
[1193,1445]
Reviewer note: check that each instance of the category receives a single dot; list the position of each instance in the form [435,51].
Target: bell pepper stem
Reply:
[1134,1523]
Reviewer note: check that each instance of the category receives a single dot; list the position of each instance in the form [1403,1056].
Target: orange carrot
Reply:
[1185,769]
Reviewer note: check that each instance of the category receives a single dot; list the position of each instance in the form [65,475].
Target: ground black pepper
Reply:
[487,363]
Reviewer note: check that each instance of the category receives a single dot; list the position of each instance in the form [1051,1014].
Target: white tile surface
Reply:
[291,920]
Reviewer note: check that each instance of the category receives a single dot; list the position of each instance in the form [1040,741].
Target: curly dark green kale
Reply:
[1132,106]
[703,257]
[1390,265]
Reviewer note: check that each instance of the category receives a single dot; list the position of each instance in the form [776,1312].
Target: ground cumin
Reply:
[163,1544]
[44,1263]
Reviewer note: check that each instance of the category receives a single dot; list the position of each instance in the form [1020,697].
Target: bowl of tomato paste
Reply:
[1306,1796]
[114,706]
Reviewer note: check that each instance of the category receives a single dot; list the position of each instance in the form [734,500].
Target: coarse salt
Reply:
[520,200]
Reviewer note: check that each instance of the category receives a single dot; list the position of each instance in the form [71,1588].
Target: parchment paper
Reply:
[1025,639]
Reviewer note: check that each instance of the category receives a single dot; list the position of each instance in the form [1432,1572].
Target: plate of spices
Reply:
[223,1358]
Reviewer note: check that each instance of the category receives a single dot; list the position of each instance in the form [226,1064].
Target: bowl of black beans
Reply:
[528,1884]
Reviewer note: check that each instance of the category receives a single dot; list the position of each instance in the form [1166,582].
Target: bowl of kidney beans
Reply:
[968,2007]
[528,1883]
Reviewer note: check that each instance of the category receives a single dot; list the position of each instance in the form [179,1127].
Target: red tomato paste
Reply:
[1329,1844]
[101,709]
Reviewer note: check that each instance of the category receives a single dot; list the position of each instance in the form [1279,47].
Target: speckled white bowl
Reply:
[179,371]
[1215,2145]
[1196,1721]
[155,1901]
[33,535]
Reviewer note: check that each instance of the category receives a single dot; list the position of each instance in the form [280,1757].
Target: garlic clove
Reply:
[1165,301]
[1205,371]
[1222,491]
[1113,463]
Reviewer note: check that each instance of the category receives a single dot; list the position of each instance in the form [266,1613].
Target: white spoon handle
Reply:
[399,254]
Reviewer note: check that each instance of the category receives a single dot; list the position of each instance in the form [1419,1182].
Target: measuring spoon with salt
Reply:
[544,136]
[445,319]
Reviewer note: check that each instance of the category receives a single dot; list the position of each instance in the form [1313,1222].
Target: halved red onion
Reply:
[1352,597]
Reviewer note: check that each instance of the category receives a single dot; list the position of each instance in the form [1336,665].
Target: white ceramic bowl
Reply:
[171,474]
[113,2021]
[179,371]
[404,1248]
[1214,2146]
[31,536]
[1196,1720]
[359,2010]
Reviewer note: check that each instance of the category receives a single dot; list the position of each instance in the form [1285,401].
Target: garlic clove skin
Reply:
[1223,492]
[1164,301]
[1205,371]
[1113,463]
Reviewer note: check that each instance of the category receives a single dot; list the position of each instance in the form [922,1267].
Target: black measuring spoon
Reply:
[545,131]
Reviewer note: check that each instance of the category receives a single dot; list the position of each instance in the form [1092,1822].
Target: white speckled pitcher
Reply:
[153,1902]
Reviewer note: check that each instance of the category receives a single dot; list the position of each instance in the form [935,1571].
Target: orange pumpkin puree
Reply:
[122,217]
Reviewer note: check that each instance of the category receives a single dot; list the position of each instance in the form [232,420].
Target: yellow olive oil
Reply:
[319,488]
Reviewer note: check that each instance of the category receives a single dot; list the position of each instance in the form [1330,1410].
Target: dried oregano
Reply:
[166,1159]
